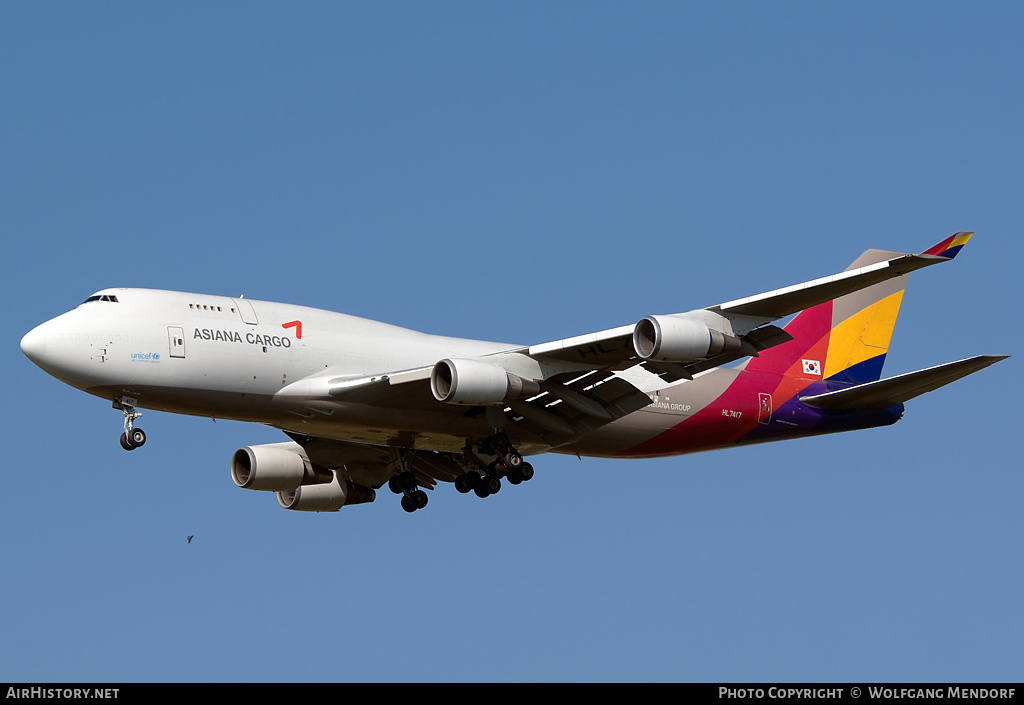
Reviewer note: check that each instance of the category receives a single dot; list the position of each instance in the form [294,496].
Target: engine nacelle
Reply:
[678,339]
[275,467]
[475,382]
[328,497]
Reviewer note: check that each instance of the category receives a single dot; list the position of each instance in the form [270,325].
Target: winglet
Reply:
[949,247]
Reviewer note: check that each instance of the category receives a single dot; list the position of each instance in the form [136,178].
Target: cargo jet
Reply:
[367,404]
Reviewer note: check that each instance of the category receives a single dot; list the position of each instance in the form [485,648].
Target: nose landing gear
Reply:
[132,437]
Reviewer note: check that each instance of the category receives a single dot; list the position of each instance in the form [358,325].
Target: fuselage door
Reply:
[246,311]
[764,407]
[176,341]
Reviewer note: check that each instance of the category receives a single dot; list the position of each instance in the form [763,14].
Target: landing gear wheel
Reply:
[526,471]
[137,437]
[466,483]
[487,486]
[402,482]
[414,500]
[125,443]
[419,498]
[512,460]
[493,484]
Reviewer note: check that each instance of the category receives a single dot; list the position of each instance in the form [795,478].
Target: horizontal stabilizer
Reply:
[884,393]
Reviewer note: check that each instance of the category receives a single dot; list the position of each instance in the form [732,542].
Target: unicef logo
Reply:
[156,356]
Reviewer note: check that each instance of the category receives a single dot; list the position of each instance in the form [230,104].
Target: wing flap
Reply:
[579,406]
[884,393]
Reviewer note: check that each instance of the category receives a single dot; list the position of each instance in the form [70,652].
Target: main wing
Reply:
[565,388]
[742,316]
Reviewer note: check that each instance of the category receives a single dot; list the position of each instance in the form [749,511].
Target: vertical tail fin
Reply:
[861,327]
[845,339]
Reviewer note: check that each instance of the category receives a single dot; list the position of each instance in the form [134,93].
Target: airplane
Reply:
[366,404]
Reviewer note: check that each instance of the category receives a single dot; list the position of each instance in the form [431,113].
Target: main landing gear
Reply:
[132,437]
[495,459]
[507,463]
[404,483]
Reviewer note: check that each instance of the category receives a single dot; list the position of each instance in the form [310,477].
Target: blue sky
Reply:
[519,172]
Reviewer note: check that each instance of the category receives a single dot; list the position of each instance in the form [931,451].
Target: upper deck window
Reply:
[207,307]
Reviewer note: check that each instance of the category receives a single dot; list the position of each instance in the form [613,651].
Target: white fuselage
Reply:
[253,361]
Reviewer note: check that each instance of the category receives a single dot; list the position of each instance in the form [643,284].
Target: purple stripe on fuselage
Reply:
[794,418]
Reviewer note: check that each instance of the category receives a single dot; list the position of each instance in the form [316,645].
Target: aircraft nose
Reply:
[34,344]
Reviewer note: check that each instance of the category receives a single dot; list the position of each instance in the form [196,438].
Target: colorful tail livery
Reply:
[950,247]
[826,379]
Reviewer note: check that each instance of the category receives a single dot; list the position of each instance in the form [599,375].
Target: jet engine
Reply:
[678,339]
[475,382]
[285,469]
[328,497]
[275,467]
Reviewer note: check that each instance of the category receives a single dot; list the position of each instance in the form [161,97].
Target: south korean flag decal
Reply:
[812,367]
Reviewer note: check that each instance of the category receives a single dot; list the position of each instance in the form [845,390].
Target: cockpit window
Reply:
[99,297]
